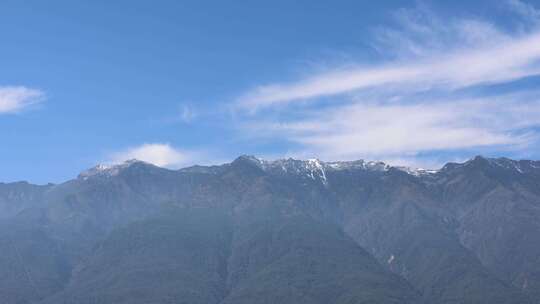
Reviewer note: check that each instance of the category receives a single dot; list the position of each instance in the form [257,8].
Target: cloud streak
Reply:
[390,130]
[427,53]
[514,60]
[14,99]
[393,109]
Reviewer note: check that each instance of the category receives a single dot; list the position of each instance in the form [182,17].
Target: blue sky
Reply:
[175,83]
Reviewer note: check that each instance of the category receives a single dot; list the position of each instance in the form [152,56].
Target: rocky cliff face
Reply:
[286,231]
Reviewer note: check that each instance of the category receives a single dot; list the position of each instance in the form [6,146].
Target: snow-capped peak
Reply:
[295,165]
[107,170]
[417,171]
[313,168]
[359,164]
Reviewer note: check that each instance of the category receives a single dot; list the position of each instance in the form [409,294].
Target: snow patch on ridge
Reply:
[506,163]
[317,169]
[314,169]
[107,170]
[417,171]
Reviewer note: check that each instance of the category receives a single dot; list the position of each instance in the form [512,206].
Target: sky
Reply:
[177,83]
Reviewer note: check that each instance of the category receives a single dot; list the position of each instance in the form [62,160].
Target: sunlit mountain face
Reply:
[285,231]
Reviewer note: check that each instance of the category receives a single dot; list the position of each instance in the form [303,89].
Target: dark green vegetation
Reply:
[275,232]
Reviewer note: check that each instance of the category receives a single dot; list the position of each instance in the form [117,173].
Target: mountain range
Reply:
[285,231]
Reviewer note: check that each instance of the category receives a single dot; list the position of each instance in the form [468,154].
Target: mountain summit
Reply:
[112,170]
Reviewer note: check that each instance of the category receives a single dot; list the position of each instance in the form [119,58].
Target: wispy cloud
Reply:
[393,109]
[516,59]
[159,154]
[383,130]
[187,114]
[163,155]
[430,53]
[15,99]
[527,12]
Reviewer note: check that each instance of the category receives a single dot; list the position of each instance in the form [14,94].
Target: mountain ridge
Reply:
[276,231]
[113,169]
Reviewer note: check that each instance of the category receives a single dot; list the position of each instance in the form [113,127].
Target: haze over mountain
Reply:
[285,231]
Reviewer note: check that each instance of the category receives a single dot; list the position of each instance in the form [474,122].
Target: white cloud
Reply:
[15,99]
[516,59]
[393,109]
[382,130]
[432,54]
[166,155]
[159,154]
